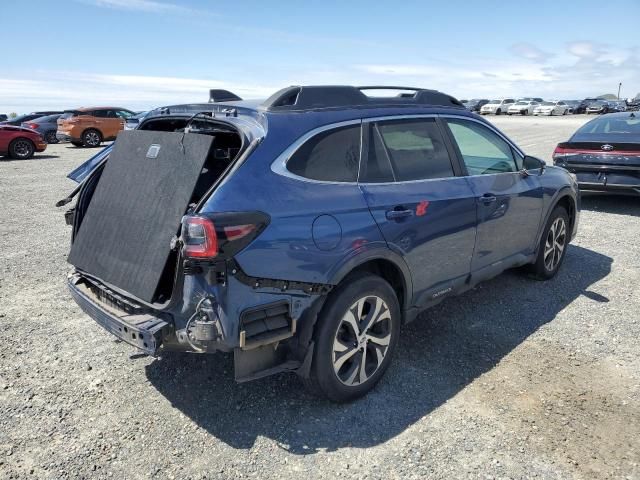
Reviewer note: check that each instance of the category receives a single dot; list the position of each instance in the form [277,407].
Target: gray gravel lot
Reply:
[515,379]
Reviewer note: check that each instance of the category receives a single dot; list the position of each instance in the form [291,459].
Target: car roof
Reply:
[88,109]
[322,105]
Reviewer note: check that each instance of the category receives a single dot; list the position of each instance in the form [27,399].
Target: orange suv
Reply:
[91,126]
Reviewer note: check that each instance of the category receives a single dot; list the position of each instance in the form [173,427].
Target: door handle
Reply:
[398,214]
[487,198]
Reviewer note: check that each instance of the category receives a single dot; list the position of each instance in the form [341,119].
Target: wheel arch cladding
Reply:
[388,270]
[569,205]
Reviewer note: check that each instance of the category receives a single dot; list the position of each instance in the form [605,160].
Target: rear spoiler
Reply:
[219,95]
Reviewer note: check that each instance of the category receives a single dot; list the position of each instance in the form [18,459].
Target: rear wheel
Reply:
[553,245]
[21,149]
[50,137]
[91,138]
[356,335]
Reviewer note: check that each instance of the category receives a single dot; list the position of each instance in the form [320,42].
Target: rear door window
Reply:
[331,156]
[406,150]
[483,152]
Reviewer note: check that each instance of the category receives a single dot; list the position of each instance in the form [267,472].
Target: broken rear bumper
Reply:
[142,331]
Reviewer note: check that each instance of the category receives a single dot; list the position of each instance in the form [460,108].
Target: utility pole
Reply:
[619,86]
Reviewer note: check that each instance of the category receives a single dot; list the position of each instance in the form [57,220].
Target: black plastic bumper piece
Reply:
[142,331]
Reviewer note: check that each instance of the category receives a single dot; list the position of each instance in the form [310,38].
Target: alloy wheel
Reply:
[92,139]
[22,148]
[362,340]
[555,244]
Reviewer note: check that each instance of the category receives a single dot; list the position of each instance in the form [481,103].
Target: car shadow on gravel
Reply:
[439,354]
[617,204]
[35,157]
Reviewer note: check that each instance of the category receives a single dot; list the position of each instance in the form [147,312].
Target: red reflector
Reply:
[421,208]
[33,126]
[238,231]
[199,237]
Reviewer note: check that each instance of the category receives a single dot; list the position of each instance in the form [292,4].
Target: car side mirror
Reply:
[533,163]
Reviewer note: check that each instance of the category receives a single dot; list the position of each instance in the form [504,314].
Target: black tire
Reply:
[50,137]
[331,375]
[76,144]
[498,112]
[542,269]
[91,138]
[21,149]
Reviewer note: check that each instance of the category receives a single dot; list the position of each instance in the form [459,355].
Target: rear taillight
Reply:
[32,126]
[561,152]
[199,237]
[220,235]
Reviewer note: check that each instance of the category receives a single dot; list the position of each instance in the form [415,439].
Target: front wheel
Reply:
[498,112]
[355,338]
[553,245]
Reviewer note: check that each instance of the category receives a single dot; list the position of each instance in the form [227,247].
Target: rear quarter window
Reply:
[331,156]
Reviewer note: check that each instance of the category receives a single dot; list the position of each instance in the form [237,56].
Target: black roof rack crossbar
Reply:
[316,97]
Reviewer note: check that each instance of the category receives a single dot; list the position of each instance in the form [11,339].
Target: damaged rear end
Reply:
[154,270]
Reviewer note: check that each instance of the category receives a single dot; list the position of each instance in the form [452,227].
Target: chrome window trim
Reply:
[279,165]
[444,116]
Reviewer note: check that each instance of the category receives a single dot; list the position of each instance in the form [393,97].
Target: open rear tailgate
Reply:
[143,192]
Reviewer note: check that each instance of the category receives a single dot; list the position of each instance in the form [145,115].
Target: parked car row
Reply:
[83,127]
[537,106]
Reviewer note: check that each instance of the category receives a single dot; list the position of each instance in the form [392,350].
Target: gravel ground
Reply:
[515,379]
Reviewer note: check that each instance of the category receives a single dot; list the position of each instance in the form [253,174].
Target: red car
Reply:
[20,143]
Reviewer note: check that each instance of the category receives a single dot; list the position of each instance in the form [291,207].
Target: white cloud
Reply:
[75,89]
[583,49]
[150,6]
[530,52]
[597,70]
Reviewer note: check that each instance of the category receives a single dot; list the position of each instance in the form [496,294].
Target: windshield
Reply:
[548,104]
[522,103]
[495,101]
[598,103]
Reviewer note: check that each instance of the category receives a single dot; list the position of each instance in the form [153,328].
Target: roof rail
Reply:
[311,97]
[220,95]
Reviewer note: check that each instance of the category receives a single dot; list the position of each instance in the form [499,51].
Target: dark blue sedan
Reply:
[301,233]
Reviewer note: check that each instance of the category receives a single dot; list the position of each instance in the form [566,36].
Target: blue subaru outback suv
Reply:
[301,233]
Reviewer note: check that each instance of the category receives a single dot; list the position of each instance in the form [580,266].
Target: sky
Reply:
[140,54]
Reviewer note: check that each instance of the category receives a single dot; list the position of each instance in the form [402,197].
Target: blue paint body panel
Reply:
[319,231]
